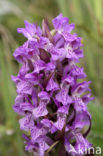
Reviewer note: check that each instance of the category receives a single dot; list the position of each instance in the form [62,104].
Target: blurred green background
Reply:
[88,18]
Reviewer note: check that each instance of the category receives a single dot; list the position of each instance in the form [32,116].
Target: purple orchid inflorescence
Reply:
[51,97]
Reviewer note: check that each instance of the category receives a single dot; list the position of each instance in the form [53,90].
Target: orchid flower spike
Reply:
[51,100]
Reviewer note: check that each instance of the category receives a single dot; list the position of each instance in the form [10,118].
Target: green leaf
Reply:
[98,9]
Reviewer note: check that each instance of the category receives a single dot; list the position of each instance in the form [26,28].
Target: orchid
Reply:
[51,98]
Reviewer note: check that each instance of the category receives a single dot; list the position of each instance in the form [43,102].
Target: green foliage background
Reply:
[88,17]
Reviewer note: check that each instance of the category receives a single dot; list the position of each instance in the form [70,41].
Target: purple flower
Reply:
[50,98]
[30,30]
[63,97]
[61,24]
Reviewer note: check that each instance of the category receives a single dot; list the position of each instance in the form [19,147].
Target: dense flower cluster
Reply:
[51,97]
